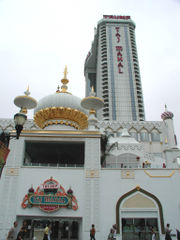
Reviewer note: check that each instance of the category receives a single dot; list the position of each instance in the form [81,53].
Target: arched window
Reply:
[155,136]
[133,133]
[144,135]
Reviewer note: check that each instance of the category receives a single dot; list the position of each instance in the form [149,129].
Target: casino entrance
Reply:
[61,228]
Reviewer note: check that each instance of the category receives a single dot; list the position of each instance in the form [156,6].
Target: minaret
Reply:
[167,117]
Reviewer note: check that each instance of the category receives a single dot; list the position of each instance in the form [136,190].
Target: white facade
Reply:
[106,194]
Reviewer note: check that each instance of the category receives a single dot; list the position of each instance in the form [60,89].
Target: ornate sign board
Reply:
[49,197]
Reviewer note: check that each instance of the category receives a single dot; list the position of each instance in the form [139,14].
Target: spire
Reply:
[27,92]
[92,92]
[167,115]
[65,72]
[64,82]
[165,108]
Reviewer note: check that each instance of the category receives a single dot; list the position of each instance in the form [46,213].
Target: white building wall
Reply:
[161,183]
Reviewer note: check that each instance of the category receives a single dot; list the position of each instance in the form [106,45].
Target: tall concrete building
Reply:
[112,68]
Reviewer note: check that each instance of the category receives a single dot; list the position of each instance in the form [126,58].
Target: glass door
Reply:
[139,228]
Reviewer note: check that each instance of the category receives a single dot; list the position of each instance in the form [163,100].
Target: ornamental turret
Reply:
[92,103]
[167,117]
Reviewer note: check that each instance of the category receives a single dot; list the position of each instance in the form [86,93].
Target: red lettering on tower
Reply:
[119,50]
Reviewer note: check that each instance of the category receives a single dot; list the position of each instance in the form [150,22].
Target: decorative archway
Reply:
[150,195]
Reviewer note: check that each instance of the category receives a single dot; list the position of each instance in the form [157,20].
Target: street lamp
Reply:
[24,102]
[19,120]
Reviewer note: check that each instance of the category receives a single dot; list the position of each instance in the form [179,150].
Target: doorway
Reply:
[139,228]
[61,228]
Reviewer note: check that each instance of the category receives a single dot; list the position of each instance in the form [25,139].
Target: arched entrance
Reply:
[137,212]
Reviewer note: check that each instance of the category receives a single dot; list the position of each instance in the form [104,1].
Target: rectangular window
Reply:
[54,154]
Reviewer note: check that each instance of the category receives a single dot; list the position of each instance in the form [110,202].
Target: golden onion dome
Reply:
[61,108]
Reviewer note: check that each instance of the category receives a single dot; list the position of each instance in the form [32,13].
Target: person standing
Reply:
[178,234]
[92,232]
[168,232]
[46,232]
[111,234]
[49,233]
[23,231]
[12,234]
[153,235]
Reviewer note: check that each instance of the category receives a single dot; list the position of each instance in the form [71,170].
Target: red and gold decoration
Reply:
[49,197]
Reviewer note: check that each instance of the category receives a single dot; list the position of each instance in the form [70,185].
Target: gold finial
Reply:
[27,92]
[138,187]
[64,81]
[92,91]
[65,72]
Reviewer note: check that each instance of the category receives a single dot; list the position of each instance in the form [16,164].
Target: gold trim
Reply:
[58,134]
[25,97]
[23,110]
[138,187]
[158,176]
[92,173]
[90,97]
[12,171]
[61,122]
[92,111]
[42,118]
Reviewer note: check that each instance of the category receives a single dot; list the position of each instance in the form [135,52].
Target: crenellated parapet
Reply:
[7,125]
[115,126]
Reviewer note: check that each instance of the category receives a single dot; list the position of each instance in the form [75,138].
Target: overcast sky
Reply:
[39,37]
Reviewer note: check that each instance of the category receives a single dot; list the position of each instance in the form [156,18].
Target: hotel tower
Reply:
[112,68]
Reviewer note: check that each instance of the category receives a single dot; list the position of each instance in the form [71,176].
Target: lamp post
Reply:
[24,102]
[19,120]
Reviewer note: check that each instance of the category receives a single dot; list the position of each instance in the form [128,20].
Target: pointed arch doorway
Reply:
[137,212]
